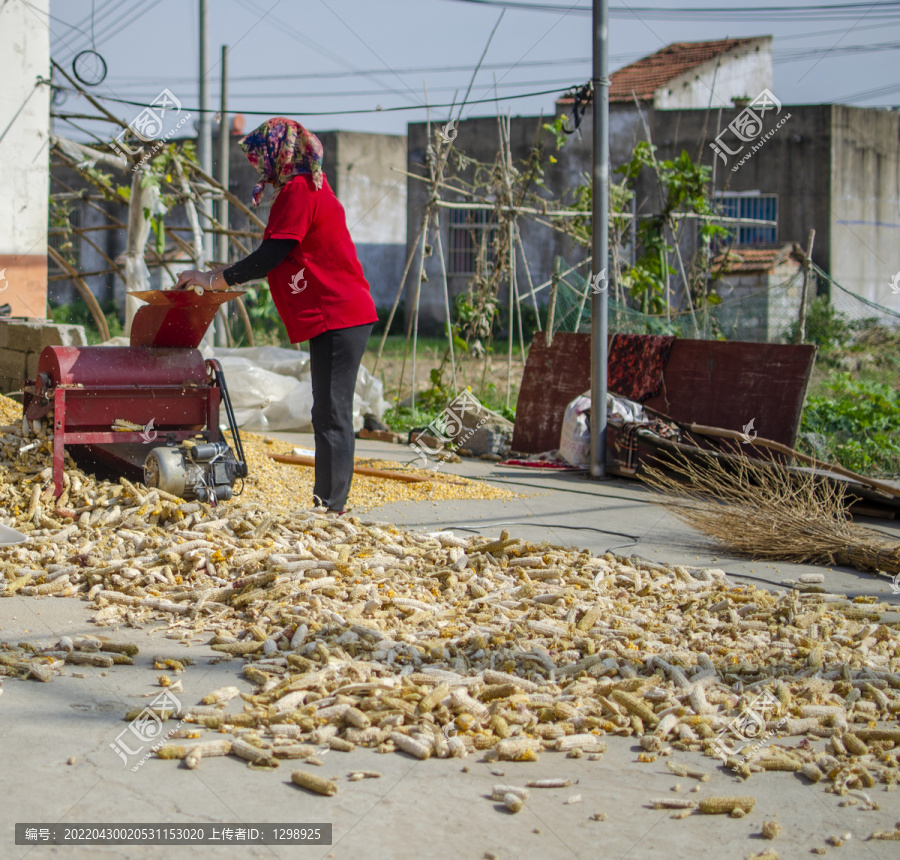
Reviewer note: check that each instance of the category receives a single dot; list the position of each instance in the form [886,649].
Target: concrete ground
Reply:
[56,764]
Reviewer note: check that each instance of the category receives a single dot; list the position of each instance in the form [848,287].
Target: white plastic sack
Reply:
[575,438]
[275,386]
[621,410]
[265,401]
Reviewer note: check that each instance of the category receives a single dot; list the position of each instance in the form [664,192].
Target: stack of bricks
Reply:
[21,342]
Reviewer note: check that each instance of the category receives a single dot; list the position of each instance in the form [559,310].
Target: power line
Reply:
[382,92]
[832,12]
[572,61]
[103,17]
[336,58]
[422,107]
[806,54]
[109,4]
[109,33]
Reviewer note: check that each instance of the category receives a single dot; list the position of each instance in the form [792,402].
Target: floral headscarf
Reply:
[281,149]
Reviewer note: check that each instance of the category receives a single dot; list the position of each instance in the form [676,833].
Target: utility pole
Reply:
[204,139]
[204,148]
[224,178]
[600,238]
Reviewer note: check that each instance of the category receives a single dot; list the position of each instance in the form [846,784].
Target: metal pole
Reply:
[224,178]
[600,237]
[204,138]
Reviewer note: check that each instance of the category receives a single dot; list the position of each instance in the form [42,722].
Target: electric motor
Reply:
[205,471]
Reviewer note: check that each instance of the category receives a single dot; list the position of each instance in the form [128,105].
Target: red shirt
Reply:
[320,285]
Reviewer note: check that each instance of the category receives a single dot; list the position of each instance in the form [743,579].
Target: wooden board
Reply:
[728,384]
[552,379]
[716,383]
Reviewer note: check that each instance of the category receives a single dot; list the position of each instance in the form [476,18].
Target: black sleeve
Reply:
[258,264]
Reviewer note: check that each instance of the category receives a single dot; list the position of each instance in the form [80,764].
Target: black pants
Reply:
[334,358]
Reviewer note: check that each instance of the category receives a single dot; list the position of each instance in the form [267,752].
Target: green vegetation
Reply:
[77,313]
[856,424]
[268,329]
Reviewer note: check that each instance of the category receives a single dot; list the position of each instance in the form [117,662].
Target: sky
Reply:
[332,64]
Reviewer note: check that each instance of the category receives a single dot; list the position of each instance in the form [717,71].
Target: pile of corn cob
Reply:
[359,633]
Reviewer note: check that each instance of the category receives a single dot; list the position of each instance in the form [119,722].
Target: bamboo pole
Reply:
[440,249]
[83,290]
[804,296]
[551,310]
[245,319]
[792,452]
[231,198]
[409,259]
[537,313]
[294,460]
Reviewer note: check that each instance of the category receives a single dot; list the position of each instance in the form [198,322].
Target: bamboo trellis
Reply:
[185,185]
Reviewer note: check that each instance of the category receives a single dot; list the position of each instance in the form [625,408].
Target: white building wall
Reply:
[746,71]
[24,157]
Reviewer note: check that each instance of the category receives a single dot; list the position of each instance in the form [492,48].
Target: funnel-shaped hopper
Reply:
[175,318]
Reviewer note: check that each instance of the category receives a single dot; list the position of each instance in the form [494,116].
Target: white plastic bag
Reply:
[271,388]
[575,438]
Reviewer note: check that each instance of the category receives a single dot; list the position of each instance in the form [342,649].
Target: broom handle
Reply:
[792,452]
[359,470]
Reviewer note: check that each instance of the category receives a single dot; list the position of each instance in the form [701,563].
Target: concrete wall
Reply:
[760,306]
[833,169]
[794,164]
[746,71]
[477,138]
[865,203]
[374,197]
[24,172]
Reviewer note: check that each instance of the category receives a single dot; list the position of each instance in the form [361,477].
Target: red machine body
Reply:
[161,383]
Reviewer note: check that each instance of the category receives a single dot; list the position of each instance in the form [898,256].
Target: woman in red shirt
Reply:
[317,284]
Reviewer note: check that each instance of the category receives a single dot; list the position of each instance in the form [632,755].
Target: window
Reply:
[67,244]
[755,206]
[469,229]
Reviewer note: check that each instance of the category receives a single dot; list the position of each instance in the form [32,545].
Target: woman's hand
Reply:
[211,280]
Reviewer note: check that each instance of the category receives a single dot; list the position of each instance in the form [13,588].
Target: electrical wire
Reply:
[565,61]
[890,9]
[102,16]
[284,27]
[340,94]
[106,35]
[79,26]
[548,526]
[194,110]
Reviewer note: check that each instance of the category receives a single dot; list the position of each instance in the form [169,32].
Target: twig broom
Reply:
[766,511]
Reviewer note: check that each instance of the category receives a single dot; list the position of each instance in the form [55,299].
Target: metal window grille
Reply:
[762,207]
[469,230]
